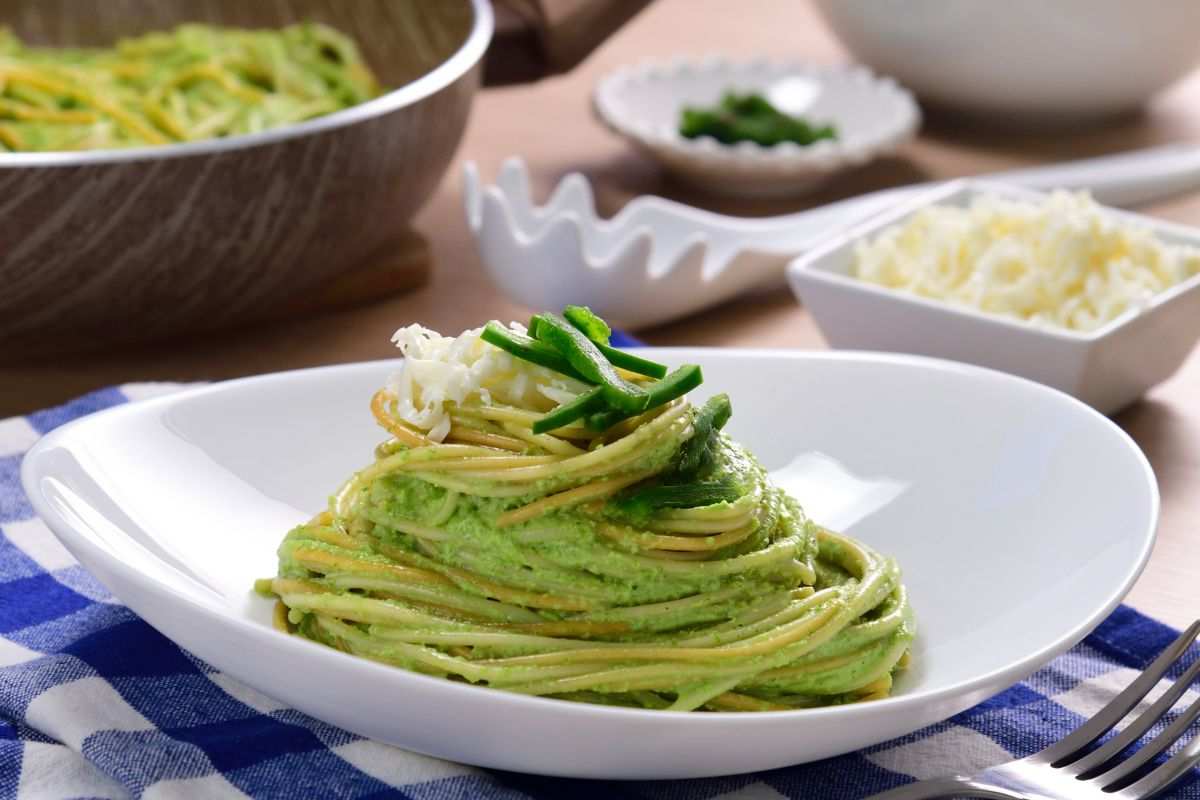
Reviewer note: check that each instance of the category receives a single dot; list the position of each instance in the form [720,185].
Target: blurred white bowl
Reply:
[1108,368]
[1042,60]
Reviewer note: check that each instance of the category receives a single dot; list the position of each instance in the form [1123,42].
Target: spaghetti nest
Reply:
[523,561]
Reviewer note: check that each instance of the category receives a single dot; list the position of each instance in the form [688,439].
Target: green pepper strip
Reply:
[588,323]
[677,384]
[582,354]
[529,350]
[624,360]
[710,419]
[586,403]
[598,331]
[644,501]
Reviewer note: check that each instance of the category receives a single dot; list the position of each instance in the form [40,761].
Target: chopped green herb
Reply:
[750,118]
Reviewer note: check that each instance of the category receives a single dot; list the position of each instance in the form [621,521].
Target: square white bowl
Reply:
[1107,368]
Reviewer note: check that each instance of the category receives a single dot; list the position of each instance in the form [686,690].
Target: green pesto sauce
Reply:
[564,553]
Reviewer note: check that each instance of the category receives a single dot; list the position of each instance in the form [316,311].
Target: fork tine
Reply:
[1163,776]
[1071,747]
[1092,764]
[1153,747]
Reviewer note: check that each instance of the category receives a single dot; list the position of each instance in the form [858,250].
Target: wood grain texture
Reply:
[550,124]
[100,253]
[402,264]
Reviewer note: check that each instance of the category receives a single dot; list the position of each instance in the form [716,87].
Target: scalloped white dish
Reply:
[872,115]
[1020,517]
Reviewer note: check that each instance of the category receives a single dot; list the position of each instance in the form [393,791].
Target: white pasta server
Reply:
[658,260]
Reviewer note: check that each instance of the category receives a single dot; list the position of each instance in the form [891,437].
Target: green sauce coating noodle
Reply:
[194,82]
[520,568]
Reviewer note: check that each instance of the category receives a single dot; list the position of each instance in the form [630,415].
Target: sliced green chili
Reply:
[677,384]
[528,349]
[624,360]
[588,361]
[697,451]
[587,323]
[645,501]
[586,403]
[532,327]
[596,329]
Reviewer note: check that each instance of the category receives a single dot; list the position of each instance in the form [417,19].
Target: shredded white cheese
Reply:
[1062,262]
[442,371]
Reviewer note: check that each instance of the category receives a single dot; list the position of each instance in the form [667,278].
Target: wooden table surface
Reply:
[551,125]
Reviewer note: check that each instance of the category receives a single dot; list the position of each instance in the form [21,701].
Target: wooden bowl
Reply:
[109,246]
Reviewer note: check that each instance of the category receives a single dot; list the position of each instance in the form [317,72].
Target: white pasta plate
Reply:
[1020,516]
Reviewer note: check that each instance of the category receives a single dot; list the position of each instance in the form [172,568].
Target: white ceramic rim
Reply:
[823,156]
[809,262]
[215,612]
[466,56]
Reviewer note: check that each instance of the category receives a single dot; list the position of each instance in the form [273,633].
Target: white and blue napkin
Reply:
[96,703]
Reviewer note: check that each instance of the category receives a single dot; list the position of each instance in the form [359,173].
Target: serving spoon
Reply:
[658,259]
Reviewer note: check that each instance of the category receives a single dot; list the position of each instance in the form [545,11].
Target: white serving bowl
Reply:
[1058,59]
[643,103]
[1108,368]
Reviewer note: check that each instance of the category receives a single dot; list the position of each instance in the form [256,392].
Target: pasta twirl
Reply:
[649,564]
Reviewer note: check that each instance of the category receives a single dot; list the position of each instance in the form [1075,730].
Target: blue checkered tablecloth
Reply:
[96,703]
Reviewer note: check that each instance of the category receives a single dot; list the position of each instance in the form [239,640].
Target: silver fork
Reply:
[1068,770]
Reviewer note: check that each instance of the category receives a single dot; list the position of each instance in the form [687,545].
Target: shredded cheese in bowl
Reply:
[1062,262]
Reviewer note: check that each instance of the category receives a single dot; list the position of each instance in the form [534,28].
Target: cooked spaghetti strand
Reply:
[473,549]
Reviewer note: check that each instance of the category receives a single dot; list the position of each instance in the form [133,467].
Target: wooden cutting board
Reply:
[402,265]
